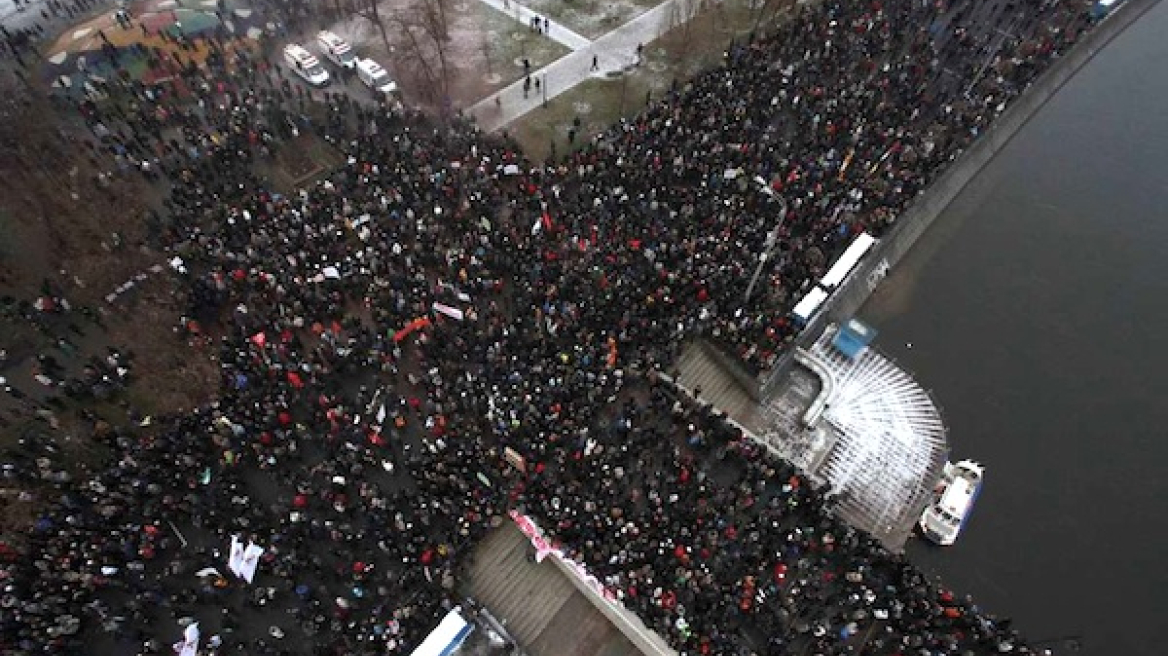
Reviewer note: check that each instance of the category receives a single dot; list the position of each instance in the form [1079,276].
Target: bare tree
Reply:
[368,9]
[435,11]
[486,50]
[416,50]
[764,11]
[683,15]
[426,35]
[433,20]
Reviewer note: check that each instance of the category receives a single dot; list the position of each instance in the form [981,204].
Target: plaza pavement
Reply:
[615,51]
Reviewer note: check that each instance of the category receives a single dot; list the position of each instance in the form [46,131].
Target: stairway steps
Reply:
[515,579]
[698,369]
[522,594]
[492,570]
[537,602]
[542,598]
[576,629]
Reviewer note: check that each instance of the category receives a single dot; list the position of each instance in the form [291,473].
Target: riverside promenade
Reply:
[851,294]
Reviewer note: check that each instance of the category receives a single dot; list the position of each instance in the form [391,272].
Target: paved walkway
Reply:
[556,32]
[614,51]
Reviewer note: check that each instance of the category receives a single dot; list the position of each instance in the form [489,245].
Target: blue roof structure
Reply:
[853,337]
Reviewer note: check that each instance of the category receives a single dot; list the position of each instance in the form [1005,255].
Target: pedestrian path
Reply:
[555,31]
[613,52]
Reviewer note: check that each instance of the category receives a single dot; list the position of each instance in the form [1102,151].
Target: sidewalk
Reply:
[614,51]
[555,31]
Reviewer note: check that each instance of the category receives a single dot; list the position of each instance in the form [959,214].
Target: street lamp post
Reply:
[772,239]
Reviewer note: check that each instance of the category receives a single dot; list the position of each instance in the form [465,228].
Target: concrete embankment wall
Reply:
[910,225]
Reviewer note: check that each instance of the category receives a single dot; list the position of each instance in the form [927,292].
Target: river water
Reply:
[1036,310]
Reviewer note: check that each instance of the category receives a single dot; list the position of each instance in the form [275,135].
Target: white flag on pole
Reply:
[190,642]
[251,560]
[235,560]
[452,312]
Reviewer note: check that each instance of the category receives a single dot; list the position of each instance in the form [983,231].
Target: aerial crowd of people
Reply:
[440,331]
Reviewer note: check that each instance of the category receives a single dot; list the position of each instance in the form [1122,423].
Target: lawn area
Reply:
[503,43]
[591,18]
[678,56]
[484,53]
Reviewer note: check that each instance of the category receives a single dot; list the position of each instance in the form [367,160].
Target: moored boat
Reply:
[945,516]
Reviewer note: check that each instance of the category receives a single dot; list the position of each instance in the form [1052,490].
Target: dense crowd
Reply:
[360,432]
[845,115]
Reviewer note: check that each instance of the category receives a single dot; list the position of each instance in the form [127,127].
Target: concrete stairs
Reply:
[698,368]
[578,629]
[537,603]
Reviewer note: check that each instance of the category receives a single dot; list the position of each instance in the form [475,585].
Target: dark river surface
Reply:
[1036,310]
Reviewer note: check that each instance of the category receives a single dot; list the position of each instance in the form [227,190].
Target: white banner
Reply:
[190,642]
[251,560]
[545,548]
[235,559]
[452,312]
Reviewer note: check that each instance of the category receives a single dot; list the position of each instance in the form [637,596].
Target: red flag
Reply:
[294,379]
[547,221]
[416,324]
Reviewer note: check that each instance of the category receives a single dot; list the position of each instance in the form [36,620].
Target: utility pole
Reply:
[990,54]
[772,239]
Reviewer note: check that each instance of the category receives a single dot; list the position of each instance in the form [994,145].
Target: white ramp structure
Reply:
[889,444]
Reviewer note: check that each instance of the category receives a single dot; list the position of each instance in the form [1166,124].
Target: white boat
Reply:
[944,518]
